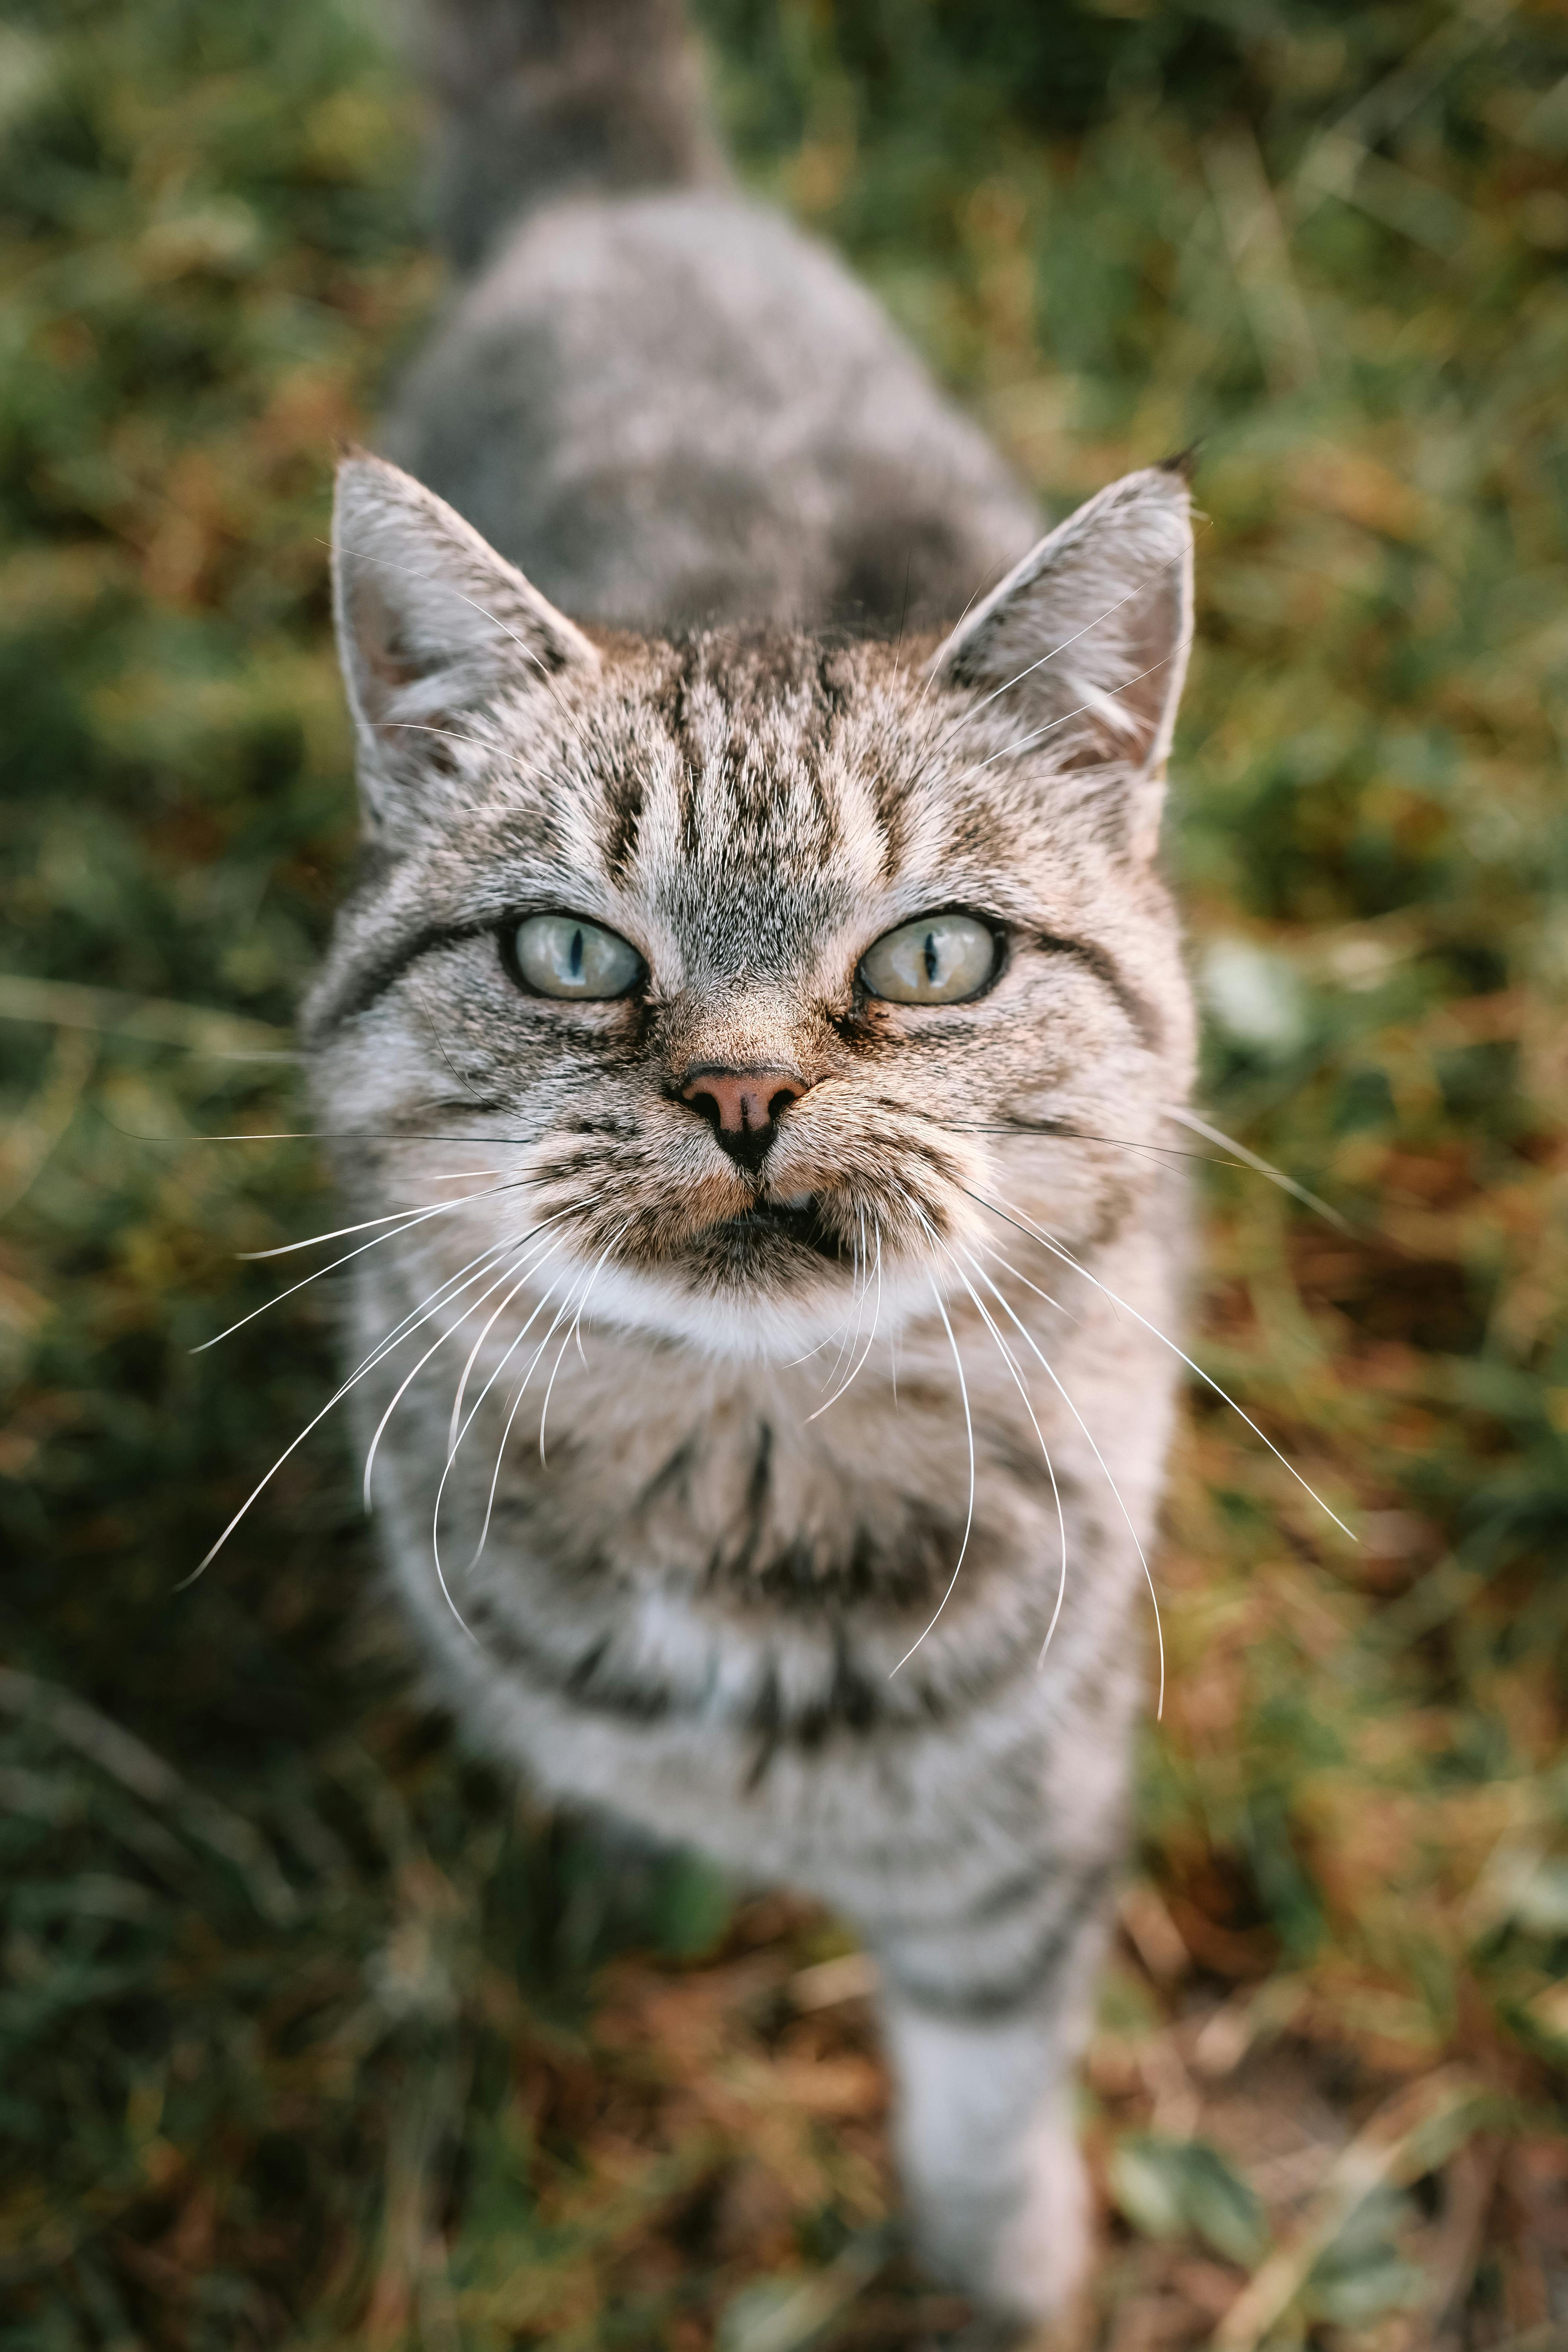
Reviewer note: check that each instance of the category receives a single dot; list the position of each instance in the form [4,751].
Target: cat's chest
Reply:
[675,1505]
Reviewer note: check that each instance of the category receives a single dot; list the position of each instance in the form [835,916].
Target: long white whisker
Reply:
[511,1347]
[1024,1226]
[505,1275]
[320,1275]
[1050,1373]
[1190,1118]
[851,1337]
[452,1285]
[863,1262]
[448,734]
[1018,675]
[1007,1357]
[1021,742]
[572,1333]
[989,1249]
[790,1362]
[511,1416]
[969,1520]
[931,673]
[393,1217]
[377,1353]
[446,1467]
[362,555]
[1011,1362]
[876,1319]
[478,1343]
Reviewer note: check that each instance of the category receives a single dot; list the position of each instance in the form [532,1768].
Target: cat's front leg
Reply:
[985,2044]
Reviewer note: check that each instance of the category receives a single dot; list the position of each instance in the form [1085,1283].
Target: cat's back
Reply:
[667,405]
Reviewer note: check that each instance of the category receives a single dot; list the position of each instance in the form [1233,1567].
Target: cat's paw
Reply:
[1022,2252]
[1041,2258]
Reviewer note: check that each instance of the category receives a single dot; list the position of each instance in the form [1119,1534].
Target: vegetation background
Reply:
[312,2032]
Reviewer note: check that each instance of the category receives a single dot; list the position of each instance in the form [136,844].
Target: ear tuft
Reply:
[1085,642]
[1184,462]
[432,622]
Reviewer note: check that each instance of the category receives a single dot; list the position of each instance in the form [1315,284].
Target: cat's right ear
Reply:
[432,625]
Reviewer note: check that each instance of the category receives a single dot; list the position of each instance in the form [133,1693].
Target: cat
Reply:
[758,972]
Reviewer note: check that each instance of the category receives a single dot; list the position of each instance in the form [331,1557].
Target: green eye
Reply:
[561,955]
[941,959]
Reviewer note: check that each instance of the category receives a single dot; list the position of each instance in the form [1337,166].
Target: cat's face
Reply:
[742,974]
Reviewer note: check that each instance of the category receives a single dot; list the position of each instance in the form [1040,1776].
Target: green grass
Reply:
[309,2033]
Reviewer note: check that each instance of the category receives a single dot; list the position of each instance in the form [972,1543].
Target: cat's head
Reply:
[755,965]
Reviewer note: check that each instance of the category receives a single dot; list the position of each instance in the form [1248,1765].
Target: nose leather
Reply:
[741,1106]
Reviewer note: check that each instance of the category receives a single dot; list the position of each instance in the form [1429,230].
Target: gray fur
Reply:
[540,97]
[703,1600]
[675,408]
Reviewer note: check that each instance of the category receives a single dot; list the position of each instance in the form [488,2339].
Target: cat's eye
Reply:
[940,959]
[561,955]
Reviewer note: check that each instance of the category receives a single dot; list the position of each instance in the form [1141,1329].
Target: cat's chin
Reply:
[771,1307]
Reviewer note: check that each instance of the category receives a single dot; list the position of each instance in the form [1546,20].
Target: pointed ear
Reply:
[432,624]
[1085,642]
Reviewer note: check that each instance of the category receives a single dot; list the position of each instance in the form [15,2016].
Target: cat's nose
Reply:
[743,1106]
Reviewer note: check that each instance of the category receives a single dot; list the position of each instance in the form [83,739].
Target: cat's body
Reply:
[747,1185]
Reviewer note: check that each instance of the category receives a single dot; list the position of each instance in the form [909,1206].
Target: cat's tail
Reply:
[542,99]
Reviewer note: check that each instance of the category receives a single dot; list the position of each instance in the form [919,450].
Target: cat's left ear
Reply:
[1084,644]
[432,625]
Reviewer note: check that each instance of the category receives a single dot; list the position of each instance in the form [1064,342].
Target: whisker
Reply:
[325,1135]
[851,1339]
[321,1273]
[1011,1362]
[524,1247]
[1025,1227]
[790,1362]
[414,726]
[1245,1158]
[1007,1357]
[876,1319]
[1055,1130]
[572,1334]
[974,595]
[1051,1375]
[511,1416]
[393,1217]
[406,1384]
[1089,626]
[969,1520]
[452,1455]
[440,1043]
[362,555]
[478,1343]
[1023,742]
[512,1348]
[456,1415]
[990,1250]
[1259,1167]
[377,1354]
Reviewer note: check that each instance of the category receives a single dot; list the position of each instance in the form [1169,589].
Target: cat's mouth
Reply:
[798,1219]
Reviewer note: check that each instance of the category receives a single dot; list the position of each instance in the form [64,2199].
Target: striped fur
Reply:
[694,1596]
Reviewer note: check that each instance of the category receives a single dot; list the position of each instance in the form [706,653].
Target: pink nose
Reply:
[741,1106]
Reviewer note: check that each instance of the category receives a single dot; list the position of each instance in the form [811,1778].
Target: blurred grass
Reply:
[309,2033]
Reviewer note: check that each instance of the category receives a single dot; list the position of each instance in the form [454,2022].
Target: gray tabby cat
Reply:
[729,1030]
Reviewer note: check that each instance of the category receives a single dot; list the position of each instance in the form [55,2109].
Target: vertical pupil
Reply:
[932,960]
[574,960]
